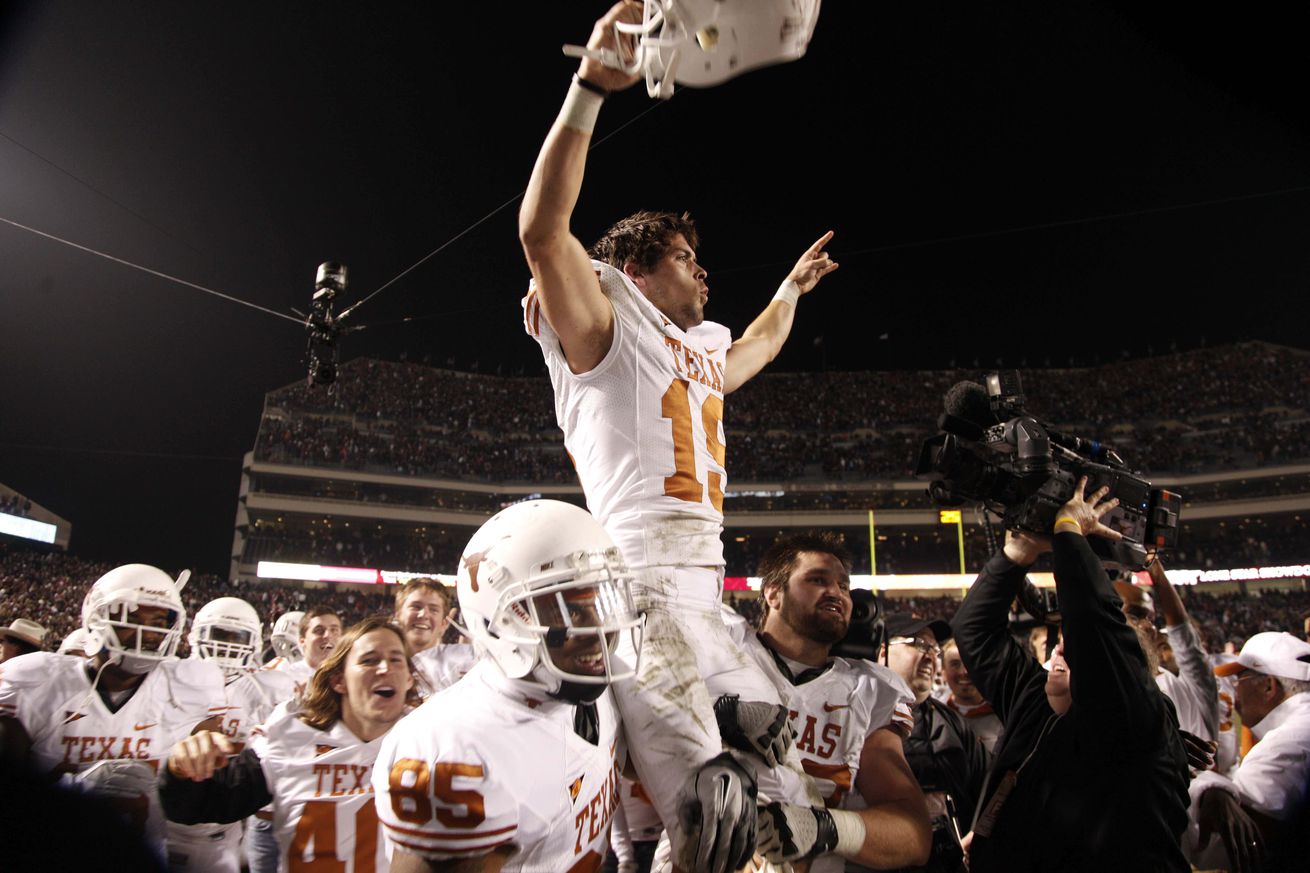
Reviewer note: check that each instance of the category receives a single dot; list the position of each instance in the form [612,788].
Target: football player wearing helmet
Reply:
[516,766]
[639,379]
[228,632]
[311,764]
[285,638]
[289,660]
[110,718]
[75,643]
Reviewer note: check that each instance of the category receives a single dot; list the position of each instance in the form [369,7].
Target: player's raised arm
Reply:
[763,340]
[566,285]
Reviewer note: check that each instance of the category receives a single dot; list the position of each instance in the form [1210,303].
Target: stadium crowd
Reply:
[1239,406]
[48,587]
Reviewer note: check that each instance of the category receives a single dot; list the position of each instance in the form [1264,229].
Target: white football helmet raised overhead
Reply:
[112,614]
[285,637]
[545,593]
[228,632]
[707,42]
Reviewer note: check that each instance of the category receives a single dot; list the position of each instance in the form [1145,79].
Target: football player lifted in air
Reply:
[227,632]
[639,379]
[109,719]
[312,764]
[515,767]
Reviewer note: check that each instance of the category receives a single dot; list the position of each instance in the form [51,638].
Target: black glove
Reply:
[755,727]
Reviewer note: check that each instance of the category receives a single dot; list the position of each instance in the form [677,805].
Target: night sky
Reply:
[1033,183]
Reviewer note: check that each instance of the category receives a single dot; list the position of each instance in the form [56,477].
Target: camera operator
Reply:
[1091,773]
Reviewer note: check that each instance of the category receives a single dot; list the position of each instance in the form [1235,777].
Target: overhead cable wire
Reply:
[84,183]
[1046,225]
[157,273]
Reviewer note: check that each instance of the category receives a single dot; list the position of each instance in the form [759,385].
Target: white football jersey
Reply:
[216,848]
[299,671]
[832,715]
[644,428]
[72,727]
[493,762]
[323,813]
[444,664]
[251,697]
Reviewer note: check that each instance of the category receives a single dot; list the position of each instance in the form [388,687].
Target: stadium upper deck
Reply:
[399,462]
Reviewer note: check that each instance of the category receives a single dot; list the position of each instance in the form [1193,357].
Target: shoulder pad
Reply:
[35,668]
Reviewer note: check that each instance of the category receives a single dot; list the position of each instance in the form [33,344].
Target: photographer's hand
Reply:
[1083,515]
[1220,813]
[1025,548]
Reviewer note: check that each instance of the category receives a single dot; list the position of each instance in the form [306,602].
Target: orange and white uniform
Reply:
[493,762]
[299,671]
[216,848]
[72,728]
[644,427]
[834,710]
[444,664]
[323,810]
[645,432]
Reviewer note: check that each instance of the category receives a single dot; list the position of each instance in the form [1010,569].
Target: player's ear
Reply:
[773,596]
[633,272]
[338,683]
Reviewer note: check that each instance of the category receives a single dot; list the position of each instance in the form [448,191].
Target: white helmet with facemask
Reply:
[111,613]
[545,594]
[707,42]
[228,632]
[285,637]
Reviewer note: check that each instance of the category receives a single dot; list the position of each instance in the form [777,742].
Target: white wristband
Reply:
[850,832]
[788,292]
[580,108]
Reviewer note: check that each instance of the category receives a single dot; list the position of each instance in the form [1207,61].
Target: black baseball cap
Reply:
[910,625]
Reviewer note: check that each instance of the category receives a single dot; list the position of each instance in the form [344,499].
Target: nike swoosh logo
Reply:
[833,707]
[145,727]
[711,351]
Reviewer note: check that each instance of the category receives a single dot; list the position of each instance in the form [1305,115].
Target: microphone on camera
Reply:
[968,411]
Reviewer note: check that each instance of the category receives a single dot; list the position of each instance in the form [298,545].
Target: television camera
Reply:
[993,453]
[323,325]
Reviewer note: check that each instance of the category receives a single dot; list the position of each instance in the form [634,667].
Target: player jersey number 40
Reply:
[314,843]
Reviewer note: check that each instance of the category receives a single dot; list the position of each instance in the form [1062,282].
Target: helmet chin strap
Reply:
[563,689]
[578,692]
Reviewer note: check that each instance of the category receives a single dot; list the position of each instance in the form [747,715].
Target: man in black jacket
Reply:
[1091,773]
[948,759]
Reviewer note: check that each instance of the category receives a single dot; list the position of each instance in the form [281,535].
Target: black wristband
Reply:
[590,86]
[825,839]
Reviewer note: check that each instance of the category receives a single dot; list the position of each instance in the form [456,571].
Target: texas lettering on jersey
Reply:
[87,750]
[696,365]
[594,816]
